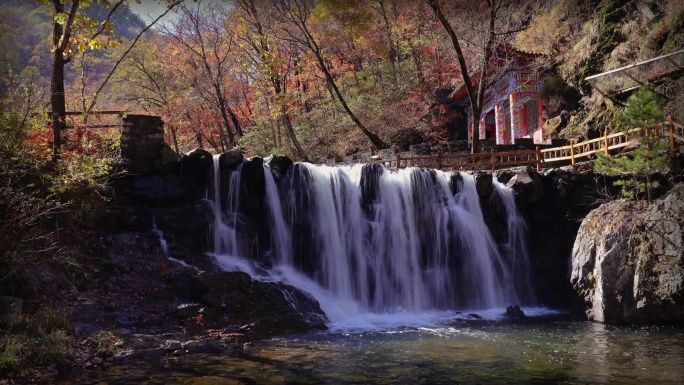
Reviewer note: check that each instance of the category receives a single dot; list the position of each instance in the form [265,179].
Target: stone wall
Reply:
[142,143]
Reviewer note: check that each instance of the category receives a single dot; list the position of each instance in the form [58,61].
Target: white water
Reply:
[165,245]
[412,256]
[226,219]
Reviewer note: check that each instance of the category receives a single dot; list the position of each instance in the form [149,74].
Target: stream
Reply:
[440,352]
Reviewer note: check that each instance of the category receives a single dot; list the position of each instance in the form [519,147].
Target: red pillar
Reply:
[524,119]
[540,112]
[501,134]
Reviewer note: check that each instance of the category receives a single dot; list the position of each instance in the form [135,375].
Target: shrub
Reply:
[25,235]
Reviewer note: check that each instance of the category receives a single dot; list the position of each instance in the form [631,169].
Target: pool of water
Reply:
[561,351]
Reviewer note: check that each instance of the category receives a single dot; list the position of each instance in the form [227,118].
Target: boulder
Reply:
[230,158]
[196,164]
[505,175]
[527,185]
[233,299]
[455,182]
[514,312]
[253,189]
[628,261]
[279,164]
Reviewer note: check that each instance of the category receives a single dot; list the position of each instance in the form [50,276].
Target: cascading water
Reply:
[226,248]
[385,240]
[516,244]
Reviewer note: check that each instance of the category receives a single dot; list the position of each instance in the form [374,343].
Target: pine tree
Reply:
[639,121]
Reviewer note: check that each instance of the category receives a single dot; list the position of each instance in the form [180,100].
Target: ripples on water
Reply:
[458,352]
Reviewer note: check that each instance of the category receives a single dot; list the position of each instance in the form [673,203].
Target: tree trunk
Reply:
[290,131]
[57,102]
[475,148]
[375,140]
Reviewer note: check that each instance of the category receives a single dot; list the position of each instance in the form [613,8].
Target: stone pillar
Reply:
[142,143]
[501,137]
[516,126]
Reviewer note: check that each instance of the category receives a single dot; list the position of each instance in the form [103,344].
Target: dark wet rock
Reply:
[553,221]
[475,316]
[279,164]
[455,182]
[504,176]
[483,183]
[270,308]
[370,177]
[185,227]
[628,261]
[514,312]
[196,165]
[527,185]
[494,215]
[230,158]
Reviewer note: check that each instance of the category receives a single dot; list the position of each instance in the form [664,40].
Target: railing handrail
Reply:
[538,156]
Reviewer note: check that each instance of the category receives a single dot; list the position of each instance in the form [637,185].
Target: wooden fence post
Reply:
[439,160]
[673,144]
[493,160]
[398,160]
[605,141]
[538,150]
[572,152]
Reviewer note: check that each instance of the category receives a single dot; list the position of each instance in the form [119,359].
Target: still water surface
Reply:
[562,352]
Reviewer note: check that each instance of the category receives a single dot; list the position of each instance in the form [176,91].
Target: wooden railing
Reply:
[669,129]
[538,157]
[479,161]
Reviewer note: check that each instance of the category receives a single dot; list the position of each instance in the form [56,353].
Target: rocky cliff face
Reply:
[553,203]
[628,261]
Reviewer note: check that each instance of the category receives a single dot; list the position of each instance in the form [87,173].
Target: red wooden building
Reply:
[513,105]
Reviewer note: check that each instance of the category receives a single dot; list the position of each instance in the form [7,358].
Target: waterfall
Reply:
[516,244]
[384,240]
[165,245]
[280,231]
[226,248]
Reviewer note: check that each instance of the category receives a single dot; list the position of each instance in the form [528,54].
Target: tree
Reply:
[297,13]
[477,69]
[202,34]
[270,63]
[73,31]
[639,120]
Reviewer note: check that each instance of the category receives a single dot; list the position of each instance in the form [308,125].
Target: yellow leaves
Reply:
[61,18]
